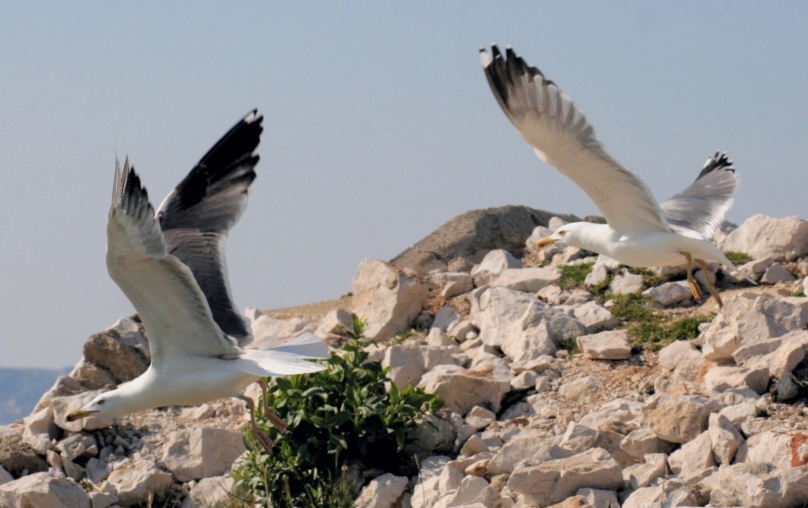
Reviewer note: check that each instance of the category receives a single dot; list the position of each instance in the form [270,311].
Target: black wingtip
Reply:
[718,162]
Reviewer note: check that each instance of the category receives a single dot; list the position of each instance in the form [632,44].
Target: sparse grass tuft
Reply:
[632,308]
[654,335]
[738,258]
[569,344]
[799,292]
[573,276]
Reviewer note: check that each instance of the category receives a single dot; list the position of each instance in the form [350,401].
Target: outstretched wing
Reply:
[562,137]
[163,290]
[702,206]
[198,214]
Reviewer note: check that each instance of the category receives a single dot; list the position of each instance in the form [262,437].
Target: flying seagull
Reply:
[171,266]
[639,232]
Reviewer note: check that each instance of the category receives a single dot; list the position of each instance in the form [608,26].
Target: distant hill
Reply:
[20,389]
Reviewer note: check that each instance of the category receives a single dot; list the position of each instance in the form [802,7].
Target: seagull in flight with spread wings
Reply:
[171,266]
[639,232]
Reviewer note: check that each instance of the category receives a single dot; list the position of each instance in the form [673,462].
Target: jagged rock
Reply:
[39,430]
[77,445]
[724,437]
[91,376]
[692,457]
[426,493]
[609,345]
[669,293]
[683,360]
[63,405]
[626,283]
[64,385]
[748,318]
[677,419]
[43,490]
[201,452]
[641,442]
[554,480]
[473,234]
[578,438]
[121,350]
[528,280]
[97,470]
[778,356]
[461,390]
[102,499]
[603,266]
[720,378]
[641,475]
[480,418]
[581,389]
[529,444]
[762,236]
[745,484]
[493,265]
[386,297]
[209,492]
[451,284]
[445,317]
[384,491]
[524,381]
[134,482]
[18,458]
[594,316]
[460,330]
[334,324]
[270,332]
[408,362]
[782,449]
[597,497]
[615,411]
[467,493]
[438,337]
[776,273]
[756,268]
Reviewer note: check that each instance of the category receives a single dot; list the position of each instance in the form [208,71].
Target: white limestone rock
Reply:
[384,491]
[776,273]
[692,457]
[270,332]
[682,360]
[492,265]
[612,412]
[762,236]
[133,482]
[720,378]
[779,356]
[39,430]
[641,475]
[461,390]
[43,490]
[783,449]
[553,481]
[676,418]
[530,444]
[528,280]
[208,492]
[609,345]
[5,476]
[581,389]
[595,317]
[77,445]
[445,317]
[669,293]
[626,283]
[409,361]
[524,381]
[598,497]
[578,437]
[480,418]
[201,452]
[724,437]
[388,298]
[643,441]
[451,284]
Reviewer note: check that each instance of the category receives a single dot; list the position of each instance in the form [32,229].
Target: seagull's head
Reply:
[568,234]
[108,404]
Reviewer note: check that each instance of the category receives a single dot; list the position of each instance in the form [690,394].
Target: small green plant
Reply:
[632,308]
[573,276]
[738,258]
[654,335]
[337,418]
[799,292]
[569,344]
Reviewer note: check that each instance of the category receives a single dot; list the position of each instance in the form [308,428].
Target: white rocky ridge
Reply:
[718,420]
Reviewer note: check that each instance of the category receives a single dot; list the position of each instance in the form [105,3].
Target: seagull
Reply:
[639,231]
[171,266]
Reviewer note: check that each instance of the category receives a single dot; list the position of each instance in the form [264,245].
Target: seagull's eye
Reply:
[561,233]
[101,402]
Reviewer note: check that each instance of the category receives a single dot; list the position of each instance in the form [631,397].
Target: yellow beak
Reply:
[544,242]
[78,414]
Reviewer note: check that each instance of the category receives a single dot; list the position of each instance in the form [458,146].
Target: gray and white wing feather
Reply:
[563,137]
[198,214]
[702,206]
[163,290]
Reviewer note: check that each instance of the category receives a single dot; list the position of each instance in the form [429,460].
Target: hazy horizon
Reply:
[379,127]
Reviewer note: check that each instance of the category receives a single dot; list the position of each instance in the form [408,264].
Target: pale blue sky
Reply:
[379,128]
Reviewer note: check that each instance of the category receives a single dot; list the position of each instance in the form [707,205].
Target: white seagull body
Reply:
[639,231]
[171,266]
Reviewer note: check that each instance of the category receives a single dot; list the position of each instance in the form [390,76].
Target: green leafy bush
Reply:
[738,258]
[338,418]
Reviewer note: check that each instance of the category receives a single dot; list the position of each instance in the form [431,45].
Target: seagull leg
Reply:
[691,282]
[268,413]
[259,434]
[710,285]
